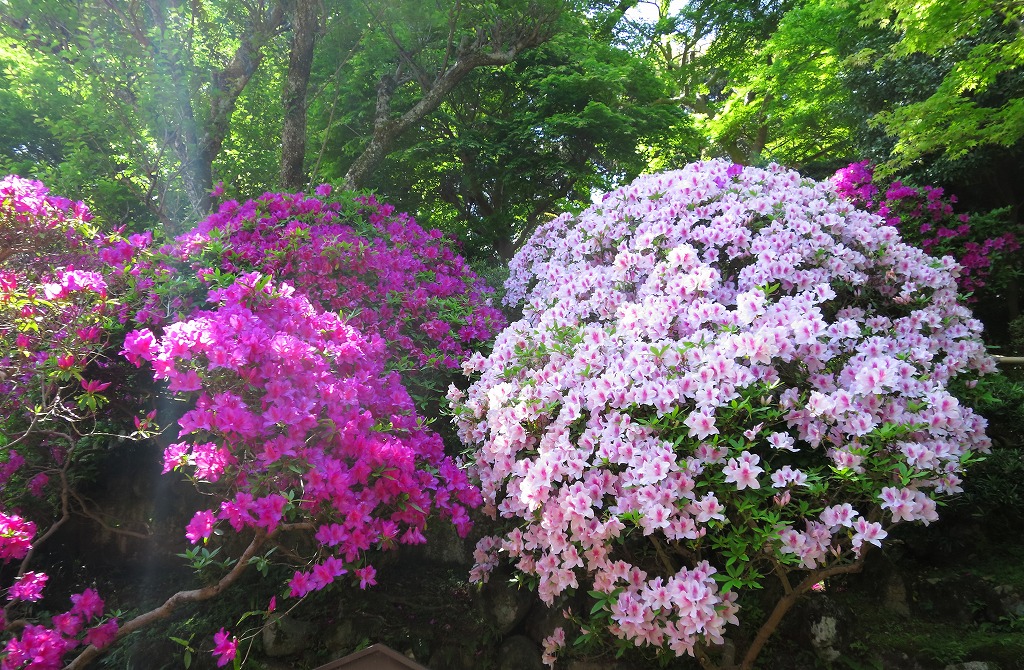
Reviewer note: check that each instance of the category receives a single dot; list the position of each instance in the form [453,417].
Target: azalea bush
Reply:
[296,426]
[280,328]
[925,217]
[722,376]
[358,257]
[63,291]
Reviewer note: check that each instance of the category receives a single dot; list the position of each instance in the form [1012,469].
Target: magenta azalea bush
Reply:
[387,275]
[721,374]
[301,427]
[925,218]
[62,298]
[282,325]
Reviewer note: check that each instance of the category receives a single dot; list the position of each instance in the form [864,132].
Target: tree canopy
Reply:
[483,117]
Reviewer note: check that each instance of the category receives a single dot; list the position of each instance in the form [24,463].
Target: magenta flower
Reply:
[28,586]
[38,483]
[67,624]
[392,278]
[139,345]
[15,533]
[101,636]
[225,647]
[300,584]
[367,576]
[200,527]
[87,604]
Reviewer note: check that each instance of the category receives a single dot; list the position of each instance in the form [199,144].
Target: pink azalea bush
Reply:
[61,299]
[925,218]
[721,374]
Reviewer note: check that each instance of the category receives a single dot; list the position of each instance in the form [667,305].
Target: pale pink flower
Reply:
[743,471]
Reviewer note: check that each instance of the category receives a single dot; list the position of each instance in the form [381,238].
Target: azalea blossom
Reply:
[681,338]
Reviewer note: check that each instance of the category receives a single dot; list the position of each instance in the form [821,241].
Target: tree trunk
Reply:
[304,15]
[484,51]
[197,147]
[231,80]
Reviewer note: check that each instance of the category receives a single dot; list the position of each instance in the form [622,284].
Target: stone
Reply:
[823,624]
[972,665]
[894,595]
[454,658]
[964,598]
[285,635]
[504,603]
[543,620]
[446,547]
[343,637]
[1011,601]
[825,638]
[519,653]
[596,665]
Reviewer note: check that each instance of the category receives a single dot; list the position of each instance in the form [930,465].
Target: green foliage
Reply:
[511,145]
[790,103]
[995,493]
[44,135]
[130,104]
[980,100]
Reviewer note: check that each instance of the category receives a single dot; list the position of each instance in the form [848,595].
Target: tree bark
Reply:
[788,600]
[228,84]
[303,15]
[197,147]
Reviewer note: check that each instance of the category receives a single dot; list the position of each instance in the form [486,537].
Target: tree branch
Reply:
[175,601]
[787,602]
[483,51]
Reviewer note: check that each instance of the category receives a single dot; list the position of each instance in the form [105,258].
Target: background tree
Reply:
[411,57]
[303,15]
[980,99]
[158,81]
[763,80]
[509,147]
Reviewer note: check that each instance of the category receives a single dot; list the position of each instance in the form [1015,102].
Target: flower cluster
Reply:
[360,258]
[15,536]
[40,230]
[721,373]
[42,648]
[297,424]
[62,290]
[926,219]
[225,648]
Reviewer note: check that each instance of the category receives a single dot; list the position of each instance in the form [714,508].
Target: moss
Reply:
[941,644]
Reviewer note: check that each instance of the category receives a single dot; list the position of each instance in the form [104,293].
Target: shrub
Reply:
[721,374]
[358,257]
[295,424]
[62,300]
[925,218]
